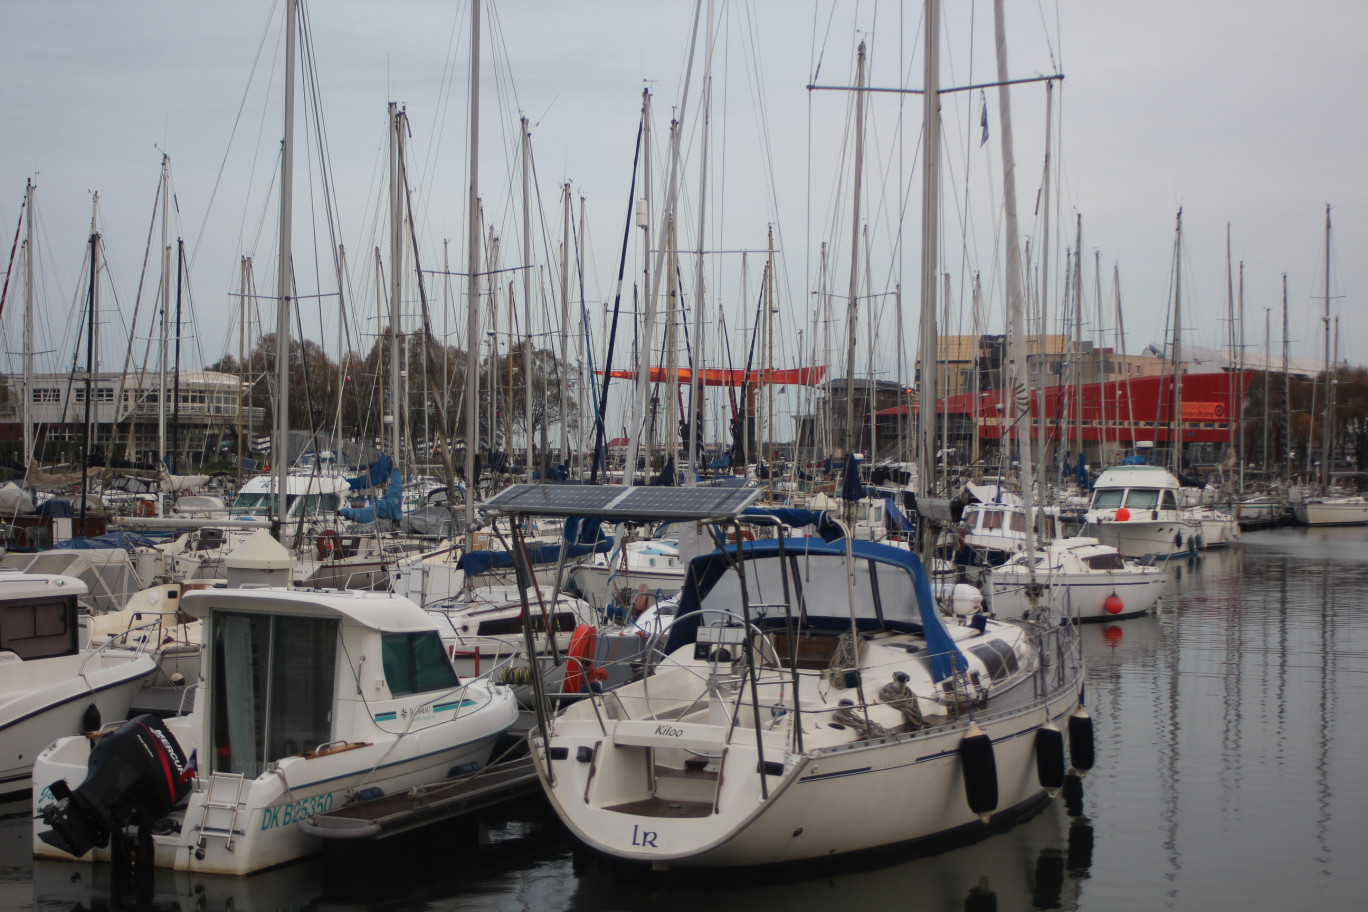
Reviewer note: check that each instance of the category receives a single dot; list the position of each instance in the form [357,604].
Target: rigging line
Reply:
[599,454]
[237,119]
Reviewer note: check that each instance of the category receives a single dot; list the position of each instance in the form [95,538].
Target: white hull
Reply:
[1082,596]
[826,802]
[1136,538]
[262,823]
[33,714]
[1331,512]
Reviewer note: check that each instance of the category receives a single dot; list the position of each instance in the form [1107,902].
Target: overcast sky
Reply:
[1252,113]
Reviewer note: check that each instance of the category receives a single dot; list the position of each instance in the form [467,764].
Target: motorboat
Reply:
[309,699]
[813,701]
[1136,510]
[1079,578]
[52,682]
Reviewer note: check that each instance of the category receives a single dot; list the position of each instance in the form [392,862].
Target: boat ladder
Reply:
[221,806]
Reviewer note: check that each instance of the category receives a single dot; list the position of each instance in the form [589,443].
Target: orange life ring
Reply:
[326,543]
[579,666]
[147,508]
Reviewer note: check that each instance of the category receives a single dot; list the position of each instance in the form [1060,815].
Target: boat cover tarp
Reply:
[388,507]
[705,572]
[124,540]
[582,536]
[374,475]
[821,520]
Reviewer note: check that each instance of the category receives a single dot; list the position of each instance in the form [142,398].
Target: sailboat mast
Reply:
[281,441]
[643,347]
[1329,382]
[852,305]
[28,323]
[91,361]
[394,413]
[695,438]
[564,450]
[165,315]
[472,403]
[527,300]
[1287,394]
[1040,427]
[1016,303]
[1178,347]
[926,393]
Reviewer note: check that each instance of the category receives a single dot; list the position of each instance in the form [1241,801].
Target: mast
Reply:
[1016,304]
[1326,433]
[1040,427]
[694,441]
[281,441]
[527,300]
[1239,385]
[1287,395]
[1177,423]
[643,348]
[93,311]
[564,450]
[926,394]
[851,436]
[28,324]
[472,403]
[1101,366]
[165,316]
[1268,359]
[393,416]
[175,392]
[1231,378]
[1076,362]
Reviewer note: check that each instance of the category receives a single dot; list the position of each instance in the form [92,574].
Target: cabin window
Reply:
[1142,498]
[991,520]
[38,630]
[1019,522]
[273,680]
[1170,501]
[1108,499]
[416,663]
[997,657]
[1105,561]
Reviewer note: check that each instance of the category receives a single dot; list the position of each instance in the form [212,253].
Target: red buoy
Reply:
[1113,604]
[1122,514]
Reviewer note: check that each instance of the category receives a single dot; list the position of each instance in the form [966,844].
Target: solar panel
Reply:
[642,504]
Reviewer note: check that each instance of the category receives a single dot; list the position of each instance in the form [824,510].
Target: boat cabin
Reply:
[38,615]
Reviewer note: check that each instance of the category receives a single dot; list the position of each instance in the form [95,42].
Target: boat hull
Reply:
[33,719]
[830,802]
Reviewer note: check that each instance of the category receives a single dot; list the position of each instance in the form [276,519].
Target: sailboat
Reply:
[811,700]
[1328,507]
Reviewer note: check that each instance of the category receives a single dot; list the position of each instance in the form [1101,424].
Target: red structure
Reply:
[1118,411]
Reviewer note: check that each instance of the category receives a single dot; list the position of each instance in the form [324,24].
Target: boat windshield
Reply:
[1142,498]
[252,505]
[1108,498]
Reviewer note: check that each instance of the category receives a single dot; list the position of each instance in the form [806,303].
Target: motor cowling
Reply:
[135,775]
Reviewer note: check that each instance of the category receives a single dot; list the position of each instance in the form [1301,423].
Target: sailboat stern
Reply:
[657,790]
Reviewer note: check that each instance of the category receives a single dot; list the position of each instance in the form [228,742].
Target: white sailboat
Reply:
[1328,507]
[812,700]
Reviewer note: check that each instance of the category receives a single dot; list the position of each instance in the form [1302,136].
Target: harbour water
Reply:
[1231,727]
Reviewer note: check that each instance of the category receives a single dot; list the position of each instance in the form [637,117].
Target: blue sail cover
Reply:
[825,525]
[582,536]
[373,477]
[390,506]
[707,571]
[125,540]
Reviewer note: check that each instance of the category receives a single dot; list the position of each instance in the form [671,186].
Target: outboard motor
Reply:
[136,775]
